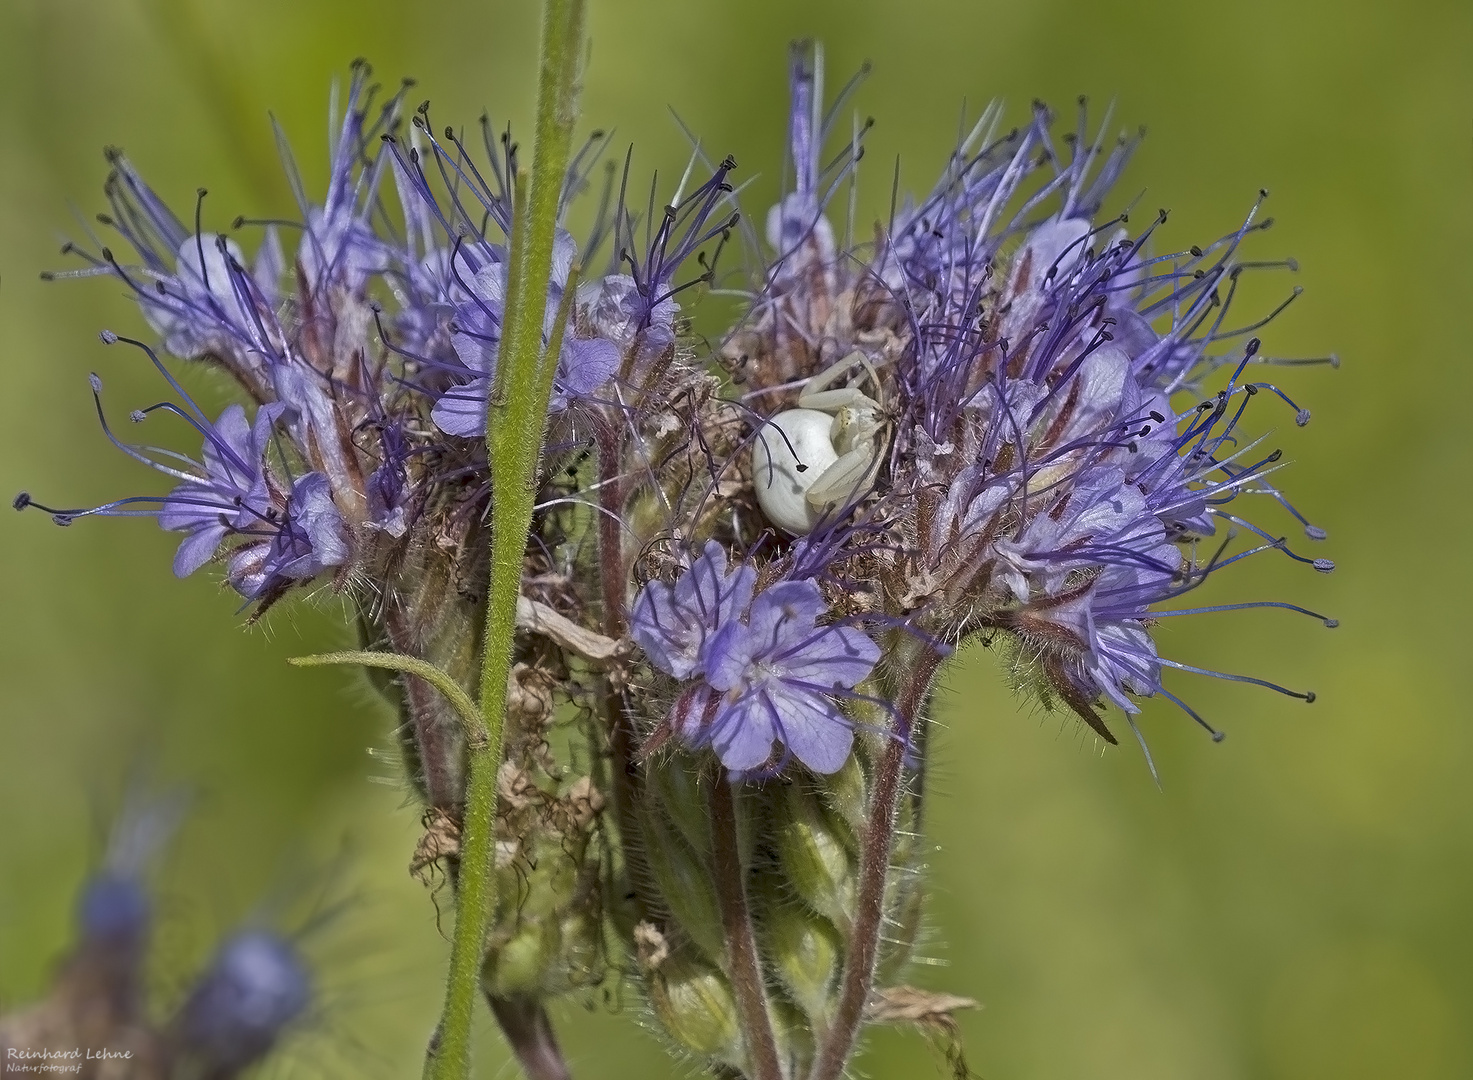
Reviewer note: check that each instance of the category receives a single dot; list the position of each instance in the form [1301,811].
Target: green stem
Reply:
[514,429]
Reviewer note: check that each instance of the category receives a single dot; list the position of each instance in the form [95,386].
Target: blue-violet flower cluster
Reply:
[1000,413]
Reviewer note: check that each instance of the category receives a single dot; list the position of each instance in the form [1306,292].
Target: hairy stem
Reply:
[464,707]
[915,664]
[741,943]
[613,586]
[529,1031]
[516,416]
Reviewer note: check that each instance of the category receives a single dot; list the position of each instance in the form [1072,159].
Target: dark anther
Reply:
[1195,250]
[1309,698]
[21,501]
[107,254]
[1253,344]
[1199,274]
[238,222]
[1276,455]
[728,162]
[1218,736]
[1161,216]
[1251,389]
[1157,417]
[802,467]
[1263,193]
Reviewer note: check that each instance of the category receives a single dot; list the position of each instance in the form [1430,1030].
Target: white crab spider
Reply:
[810,460]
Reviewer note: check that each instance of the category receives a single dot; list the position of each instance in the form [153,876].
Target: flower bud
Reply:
[806,953]
[693,1002]
[684,882]
[814,855]
[846,794]
[678,784]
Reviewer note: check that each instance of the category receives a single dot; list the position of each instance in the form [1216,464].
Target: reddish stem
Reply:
[529,1031]
[741,944]
[874,865]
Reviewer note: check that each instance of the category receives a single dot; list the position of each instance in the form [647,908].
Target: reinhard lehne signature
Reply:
[47,1060]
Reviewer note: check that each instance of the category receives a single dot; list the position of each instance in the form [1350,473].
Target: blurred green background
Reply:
[1293,904]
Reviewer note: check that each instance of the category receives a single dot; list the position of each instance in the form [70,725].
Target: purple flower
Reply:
[255,988]
[231,494]
[307,539]
[285,536]
[114,910]
[584,365]
[769,670]
[673,624]
[281,535]
[776,675]
[1030,357]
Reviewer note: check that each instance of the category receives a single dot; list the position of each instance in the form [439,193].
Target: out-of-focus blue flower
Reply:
[255,988]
